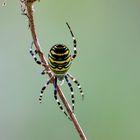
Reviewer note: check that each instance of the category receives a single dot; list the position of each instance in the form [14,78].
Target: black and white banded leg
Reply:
[71,89]
[74,42]
[77,83]
[45,72]
[57,100]
[43,89]
[62,82]
[33,54]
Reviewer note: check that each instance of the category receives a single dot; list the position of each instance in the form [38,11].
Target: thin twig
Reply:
[29,13]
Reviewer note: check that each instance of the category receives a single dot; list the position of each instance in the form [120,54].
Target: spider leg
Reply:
[45,72]
[43,89]
[33,54]
[74,42]
[71,89]
[77,83]
[57,100]
[62,82]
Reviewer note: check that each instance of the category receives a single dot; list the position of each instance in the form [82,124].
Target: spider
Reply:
[59,60]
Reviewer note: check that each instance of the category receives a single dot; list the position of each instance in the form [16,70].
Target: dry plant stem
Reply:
[28,4]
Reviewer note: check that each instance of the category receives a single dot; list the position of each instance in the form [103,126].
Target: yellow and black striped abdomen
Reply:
[59,59]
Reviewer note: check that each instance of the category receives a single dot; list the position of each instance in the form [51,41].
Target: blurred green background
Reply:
[108,66]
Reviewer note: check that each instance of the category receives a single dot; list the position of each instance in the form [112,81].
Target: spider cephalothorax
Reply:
[59,60]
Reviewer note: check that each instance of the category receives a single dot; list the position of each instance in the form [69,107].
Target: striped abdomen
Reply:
[59,59]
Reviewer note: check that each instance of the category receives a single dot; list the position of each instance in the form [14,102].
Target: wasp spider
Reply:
[59,60]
